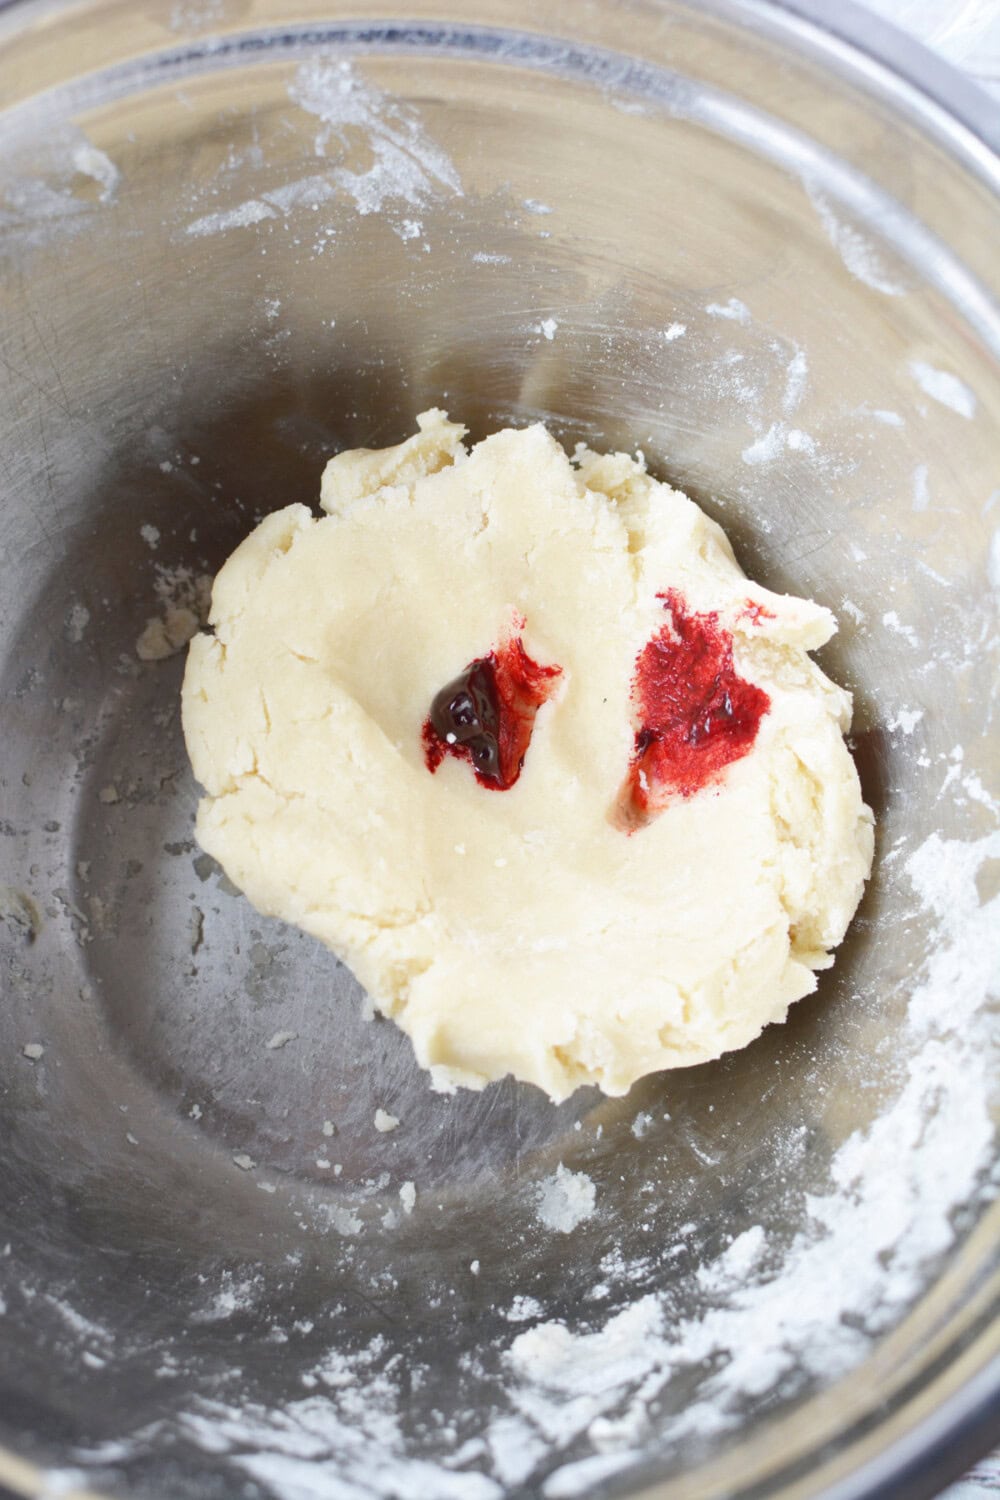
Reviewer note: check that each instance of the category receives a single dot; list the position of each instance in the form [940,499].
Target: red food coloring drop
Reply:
[755,612]
[695,714]
[486,715]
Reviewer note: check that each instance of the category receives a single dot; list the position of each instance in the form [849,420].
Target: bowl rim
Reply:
[953,110]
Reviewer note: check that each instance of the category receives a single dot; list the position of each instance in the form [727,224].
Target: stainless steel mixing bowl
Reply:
[235,236]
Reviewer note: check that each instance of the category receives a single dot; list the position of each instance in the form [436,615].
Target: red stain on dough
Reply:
[486,715]
[695,714]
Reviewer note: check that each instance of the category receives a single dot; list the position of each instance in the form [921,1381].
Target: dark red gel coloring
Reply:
[487,714]
[695,714]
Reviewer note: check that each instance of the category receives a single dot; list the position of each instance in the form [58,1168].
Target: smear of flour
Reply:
[944,388]
[235,1294]
[95,164]
[905,720]
[892,622]
[796,376]
[404,167]
[407,166]
[242,217]
[766,448]
[859,255]
[43,197]
[735,310]
[565,1199]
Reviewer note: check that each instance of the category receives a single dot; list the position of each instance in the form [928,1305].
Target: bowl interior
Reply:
[232,245]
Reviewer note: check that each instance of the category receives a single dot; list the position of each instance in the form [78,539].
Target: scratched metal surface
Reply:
[184,381]
[968,36]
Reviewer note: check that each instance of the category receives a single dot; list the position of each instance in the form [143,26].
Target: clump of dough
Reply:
[184,599]
[520,931]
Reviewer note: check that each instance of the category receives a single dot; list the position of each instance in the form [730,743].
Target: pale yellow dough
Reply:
[521,931]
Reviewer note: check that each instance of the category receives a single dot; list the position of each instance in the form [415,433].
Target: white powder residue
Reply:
[976,792]
[241,217]
[196,17]
[565,1199]
[796,376]
[77,620]
[858,254]
[944,388]
[564,1380]
[799,442]
[641,1124]
[765,449]
[579,1478]
[92,163]
[402,165]
[547,327]
[523,1309]
[921,490]
[535,206]
[905,720]
[151,536]
[892,622]
[407,167]
[235,1294]
[888,418]
[384,1122]
[346,1443]
[675,331]
[81,1325]
[734,1266]
[853,611]
[490,258]
[993,561]
[408,1197]
[735,310]
[243,1161]
[341,1219]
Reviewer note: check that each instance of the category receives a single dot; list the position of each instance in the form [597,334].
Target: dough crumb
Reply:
[385,1122]
[408,1196]
[243,1161]
[33,1051]
[185,599]
[281,1039]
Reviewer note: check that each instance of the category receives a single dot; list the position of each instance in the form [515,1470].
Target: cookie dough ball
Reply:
[634,844]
